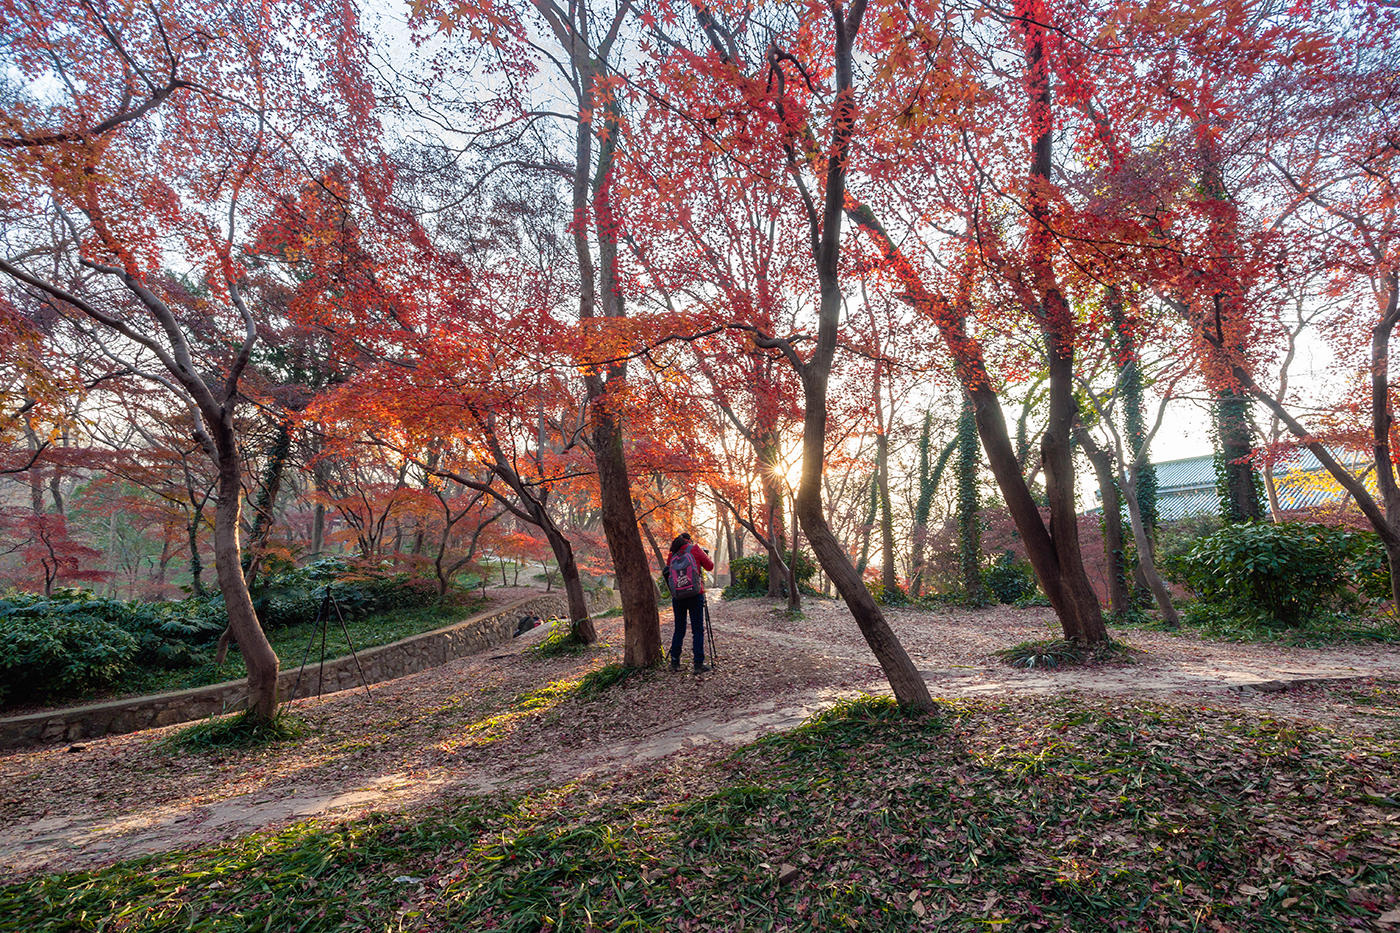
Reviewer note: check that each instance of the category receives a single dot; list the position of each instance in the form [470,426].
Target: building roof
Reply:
[1186,487]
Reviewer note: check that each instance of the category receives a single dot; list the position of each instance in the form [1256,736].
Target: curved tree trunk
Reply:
[1147,557]
[580,622]
[641,623]
[1119,599]
[257,652]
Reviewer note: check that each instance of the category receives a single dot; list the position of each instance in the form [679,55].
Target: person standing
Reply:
[686,581]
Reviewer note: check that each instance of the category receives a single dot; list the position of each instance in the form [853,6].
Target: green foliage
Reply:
[749,575]
[895,597]
[1009,579]
[1174,539]
[293,596]
[558,643]
[1056,653]
[605,678]
[1277,574]
[1318,629]
[238,730]
[1130,386]
[74,642]
[1234,429]
[47,654]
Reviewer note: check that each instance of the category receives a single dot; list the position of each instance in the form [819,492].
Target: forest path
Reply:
[482,724]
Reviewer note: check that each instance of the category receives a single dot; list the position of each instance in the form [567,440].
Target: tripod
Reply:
[323,617]
[709,630]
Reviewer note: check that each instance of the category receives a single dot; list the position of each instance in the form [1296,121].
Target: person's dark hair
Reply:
[681,541]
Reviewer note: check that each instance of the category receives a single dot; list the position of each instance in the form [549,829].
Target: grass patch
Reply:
[238,730]
[1055,653]
[560,642]
[1029,814]
[1319,630]
[605,678]
[290,645]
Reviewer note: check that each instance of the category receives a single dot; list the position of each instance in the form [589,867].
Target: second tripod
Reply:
[328,605]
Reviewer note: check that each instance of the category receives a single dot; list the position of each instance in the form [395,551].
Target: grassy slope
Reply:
[290,644]
[1036,813]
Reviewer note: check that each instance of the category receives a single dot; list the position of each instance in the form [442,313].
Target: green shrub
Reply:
[1174,539]
[748,576]
[46,654]
[559,642]
[1279,574]
[294,596]
[896,597]
[72,642]
[1010,579]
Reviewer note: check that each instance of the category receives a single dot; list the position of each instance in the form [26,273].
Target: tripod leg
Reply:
[325,622]
[320,615]
[710,633]
[351,645]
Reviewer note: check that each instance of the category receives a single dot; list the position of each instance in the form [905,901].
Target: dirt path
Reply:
[481,725]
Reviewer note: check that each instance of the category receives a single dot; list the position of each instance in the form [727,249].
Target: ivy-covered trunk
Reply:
[969,519]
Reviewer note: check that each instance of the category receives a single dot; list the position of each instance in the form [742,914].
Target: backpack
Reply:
[683,574]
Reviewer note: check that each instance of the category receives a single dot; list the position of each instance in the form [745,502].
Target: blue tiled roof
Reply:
[1187,487]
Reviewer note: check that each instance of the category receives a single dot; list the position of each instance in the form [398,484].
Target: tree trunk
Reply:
[318,519]
[794,594]
[265,506]
[867,527]
[969,523]
[1147,557]
[641,622]
[768,467]
[1271,493]
[592,201]
[889,573]
[1119,599]
[1238,481]
[580,623]
[258,655]
[196,563]
[1082,617]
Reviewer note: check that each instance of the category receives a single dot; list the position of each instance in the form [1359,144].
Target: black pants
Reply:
[693,606]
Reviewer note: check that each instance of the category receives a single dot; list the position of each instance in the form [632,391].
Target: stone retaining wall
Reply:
[383,662]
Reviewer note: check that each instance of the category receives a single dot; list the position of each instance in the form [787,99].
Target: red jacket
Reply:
[701,558]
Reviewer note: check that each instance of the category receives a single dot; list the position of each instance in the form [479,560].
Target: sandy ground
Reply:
[465,728]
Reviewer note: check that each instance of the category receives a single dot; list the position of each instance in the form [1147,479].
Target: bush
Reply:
[748,576]
[896,597]
[1174,539]
[1010,579]
[49,650]
[1279,574]
[72,642]
[292,597]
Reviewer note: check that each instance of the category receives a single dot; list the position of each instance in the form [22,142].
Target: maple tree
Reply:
[1338,182]
[101,196]
[765,108]
[583,44]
